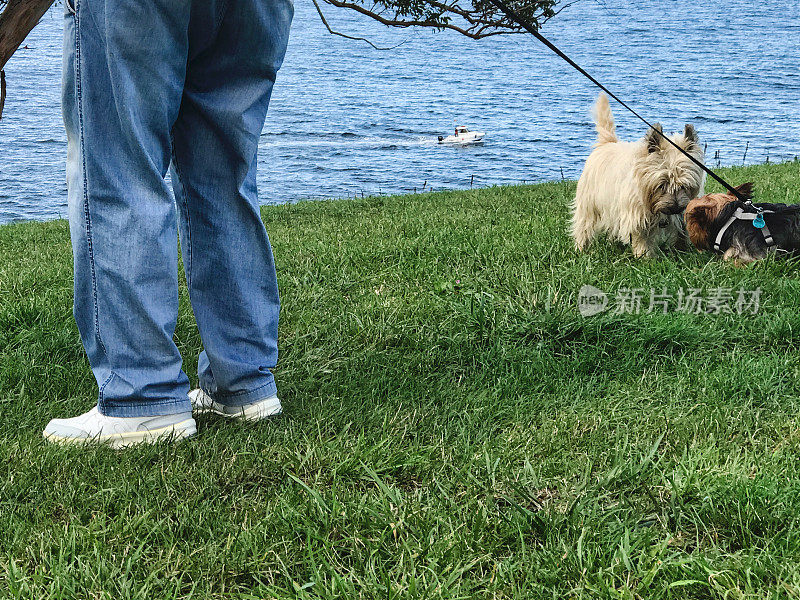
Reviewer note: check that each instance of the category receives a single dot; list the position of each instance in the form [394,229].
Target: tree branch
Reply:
[401,23]
[475,19]
[349,37]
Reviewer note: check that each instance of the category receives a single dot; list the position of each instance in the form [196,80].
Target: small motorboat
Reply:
[463,137]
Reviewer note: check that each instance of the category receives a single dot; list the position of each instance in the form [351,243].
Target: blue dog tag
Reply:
[759,222]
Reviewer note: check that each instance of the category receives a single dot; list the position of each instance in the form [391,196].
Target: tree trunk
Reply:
[16,22]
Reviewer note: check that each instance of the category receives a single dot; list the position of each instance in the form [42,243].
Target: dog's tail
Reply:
[604,121]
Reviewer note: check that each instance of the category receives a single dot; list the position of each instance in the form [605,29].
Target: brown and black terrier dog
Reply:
[748,231]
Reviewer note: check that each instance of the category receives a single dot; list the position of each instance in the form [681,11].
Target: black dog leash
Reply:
[514,16]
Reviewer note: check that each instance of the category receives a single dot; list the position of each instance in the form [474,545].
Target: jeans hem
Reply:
[140,408]
[247,397]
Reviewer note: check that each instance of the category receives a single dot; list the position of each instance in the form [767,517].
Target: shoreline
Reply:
[730,170]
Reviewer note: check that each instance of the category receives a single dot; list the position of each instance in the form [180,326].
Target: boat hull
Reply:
[463,140]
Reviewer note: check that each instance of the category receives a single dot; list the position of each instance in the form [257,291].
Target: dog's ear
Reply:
[690,134]
[653,138]
[745,190]
[698,221]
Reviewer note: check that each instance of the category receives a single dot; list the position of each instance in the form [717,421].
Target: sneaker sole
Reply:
[258,411]
[173,433]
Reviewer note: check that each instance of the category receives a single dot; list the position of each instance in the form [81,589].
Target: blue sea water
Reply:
[348,120]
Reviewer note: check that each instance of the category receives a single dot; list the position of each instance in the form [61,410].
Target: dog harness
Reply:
[745,213]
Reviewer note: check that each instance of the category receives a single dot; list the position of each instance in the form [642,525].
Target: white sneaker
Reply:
[255,411]
[119,432]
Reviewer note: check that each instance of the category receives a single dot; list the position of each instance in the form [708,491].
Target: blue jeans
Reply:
[178,85]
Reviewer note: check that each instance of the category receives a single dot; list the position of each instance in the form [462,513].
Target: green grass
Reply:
[453,428]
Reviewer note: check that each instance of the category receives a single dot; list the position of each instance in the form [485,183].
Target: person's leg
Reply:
[124,68]
[234,57]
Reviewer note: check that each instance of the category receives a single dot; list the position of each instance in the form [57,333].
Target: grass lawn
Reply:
[454,427]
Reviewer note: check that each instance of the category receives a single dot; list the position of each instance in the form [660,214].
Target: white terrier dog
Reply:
[635,191]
